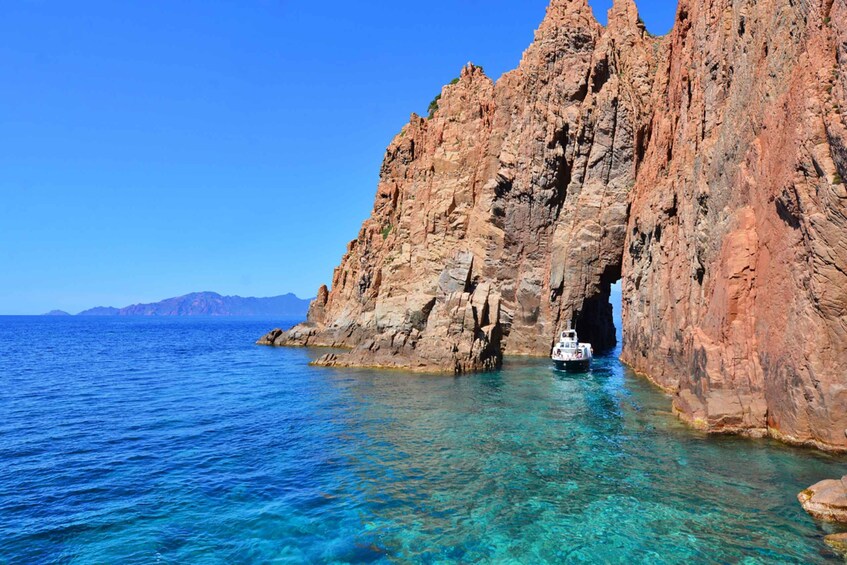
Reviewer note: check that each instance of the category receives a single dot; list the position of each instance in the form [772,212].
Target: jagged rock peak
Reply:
[624,13]
[578,13]
[471,71]
[568,13]
[559,10]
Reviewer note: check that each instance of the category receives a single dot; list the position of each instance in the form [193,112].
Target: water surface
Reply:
[178,441]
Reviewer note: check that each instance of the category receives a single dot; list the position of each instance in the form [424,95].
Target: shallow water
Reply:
[177,441]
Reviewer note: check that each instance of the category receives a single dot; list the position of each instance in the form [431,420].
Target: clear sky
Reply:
[155,148]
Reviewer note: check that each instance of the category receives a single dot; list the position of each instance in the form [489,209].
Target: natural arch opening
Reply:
[595,321]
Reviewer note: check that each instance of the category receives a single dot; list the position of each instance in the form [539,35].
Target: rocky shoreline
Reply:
[703,169]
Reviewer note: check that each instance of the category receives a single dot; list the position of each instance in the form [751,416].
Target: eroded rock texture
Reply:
[838,543]
[826,500]
[502,217]
[703,167]
[735,266]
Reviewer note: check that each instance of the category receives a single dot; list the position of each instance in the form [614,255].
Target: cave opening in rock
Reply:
[599,319]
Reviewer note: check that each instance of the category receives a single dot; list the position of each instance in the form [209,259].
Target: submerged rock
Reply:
[838,543]
[826,500]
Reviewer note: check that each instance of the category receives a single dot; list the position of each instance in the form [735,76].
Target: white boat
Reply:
[571,355]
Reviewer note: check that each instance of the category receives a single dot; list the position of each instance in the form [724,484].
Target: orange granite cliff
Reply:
[702,168]
[735,267]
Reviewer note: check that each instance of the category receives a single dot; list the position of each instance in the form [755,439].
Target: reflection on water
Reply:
[180,442]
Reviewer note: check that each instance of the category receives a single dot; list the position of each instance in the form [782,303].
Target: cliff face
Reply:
[503,216]
[735,287]
[703,167]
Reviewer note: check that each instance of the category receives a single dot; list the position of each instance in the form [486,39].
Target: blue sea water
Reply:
[178,441]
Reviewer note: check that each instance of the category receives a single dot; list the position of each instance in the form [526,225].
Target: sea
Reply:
[177,440]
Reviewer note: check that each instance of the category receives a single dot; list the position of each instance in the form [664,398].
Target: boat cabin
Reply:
[569,353]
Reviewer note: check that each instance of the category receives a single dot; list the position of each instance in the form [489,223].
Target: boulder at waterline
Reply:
[838,542]
[826,500]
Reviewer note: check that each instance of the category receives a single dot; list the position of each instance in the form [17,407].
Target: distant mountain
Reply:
[57,313]
[212,304]
[100,311]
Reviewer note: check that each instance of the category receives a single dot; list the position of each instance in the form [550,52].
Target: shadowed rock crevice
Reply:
[594,322]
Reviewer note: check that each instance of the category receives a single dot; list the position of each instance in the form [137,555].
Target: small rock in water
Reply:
[268,339]
[838,542]
[826,500]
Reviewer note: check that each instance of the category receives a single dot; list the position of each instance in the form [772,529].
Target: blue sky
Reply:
[156,148]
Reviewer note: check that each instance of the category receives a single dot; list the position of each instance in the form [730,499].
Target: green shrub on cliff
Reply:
[385,231]
[836,179]
[433,106]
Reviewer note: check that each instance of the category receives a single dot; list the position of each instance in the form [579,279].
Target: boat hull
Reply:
[580,365]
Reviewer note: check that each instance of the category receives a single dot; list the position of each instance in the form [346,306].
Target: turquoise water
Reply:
[177,441]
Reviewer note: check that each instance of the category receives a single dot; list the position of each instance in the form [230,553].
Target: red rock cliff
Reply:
[703,167]
[735,266]
[503,216]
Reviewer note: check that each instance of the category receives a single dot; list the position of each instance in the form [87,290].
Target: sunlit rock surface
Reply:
[735,268]
[704,168]
[826,500]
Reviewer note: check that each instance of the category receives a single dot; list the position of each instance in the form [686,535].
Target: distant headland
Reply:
[207,304]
